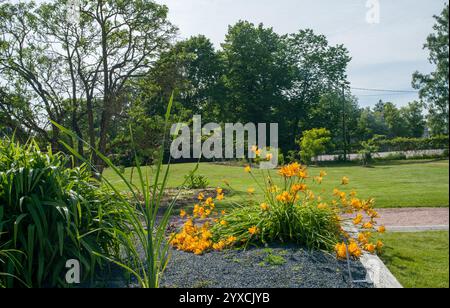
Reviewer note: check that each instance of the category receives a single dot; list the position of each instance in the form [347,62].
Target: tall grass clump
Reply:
[7,255]
[146,244]
[290,212]
[51,212]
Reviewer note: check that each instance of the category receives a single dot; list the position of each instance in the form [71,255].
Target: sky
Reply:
[386,48]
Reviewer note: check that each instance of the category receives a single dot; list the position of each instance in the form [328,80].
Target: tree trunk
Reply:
[104,126]
[77,130]
[91,128]
[54,140]
[107,101]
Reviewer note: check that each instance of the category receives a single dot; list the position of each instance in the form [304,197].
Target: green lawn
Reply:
[422,183]
[418,260]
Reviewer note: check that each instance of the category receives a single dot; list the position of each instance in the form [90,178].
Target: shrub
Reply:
[394,156]
[402,144]
[50,213]
[291,157]
[314,143]
[196,181]
[417,156]
[281,159]
[367,151]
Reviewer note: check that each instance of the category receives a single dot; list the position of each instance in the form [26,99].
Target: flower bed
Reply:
[289,213]
[286,240]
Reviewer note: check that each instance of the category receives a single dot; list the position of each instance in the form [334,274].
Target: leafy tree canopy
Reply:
[434,87]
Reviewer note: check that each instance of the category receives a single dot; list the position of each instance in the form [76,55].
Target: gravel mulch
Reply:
[277,266]
[274,267]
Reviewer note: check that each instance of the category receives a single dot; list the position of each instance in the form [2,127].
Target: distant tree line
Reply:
[117,66]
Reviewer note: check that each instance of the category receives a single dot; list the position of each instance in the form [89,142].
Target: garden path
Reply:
[414,219]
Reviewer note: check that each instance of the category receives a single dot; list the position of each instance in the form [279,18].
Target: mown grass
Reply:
[423,183]
[418,260]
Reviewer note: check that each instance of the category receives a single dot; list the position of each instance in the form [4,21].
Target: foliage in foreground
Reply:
[290,213]
[145,241]
[50,213]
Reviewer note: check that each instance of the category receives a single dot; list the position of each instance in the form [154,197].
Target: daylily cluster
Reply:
[193,238]
[259,157]
[344,204]
[282,201]
[294,170]
[196,237]
[283,207]
[364,220]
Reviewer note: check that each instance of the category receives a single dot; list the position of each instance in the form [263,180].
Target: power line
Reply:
[383,90]
[381,94]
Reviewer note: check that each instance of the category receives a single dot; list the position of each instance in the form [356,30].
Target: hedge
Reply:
[412,144]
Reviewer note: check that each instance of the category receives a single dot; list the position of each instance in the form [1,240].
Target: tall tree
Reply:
[64,65]
[28,66]
[203,68]
[434,87]
[193,69]
[339,114]
[132,34]
[371,123]
[9,104]
[273,78]
[396,124]
[414,119]
[256,72]
[315,68]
